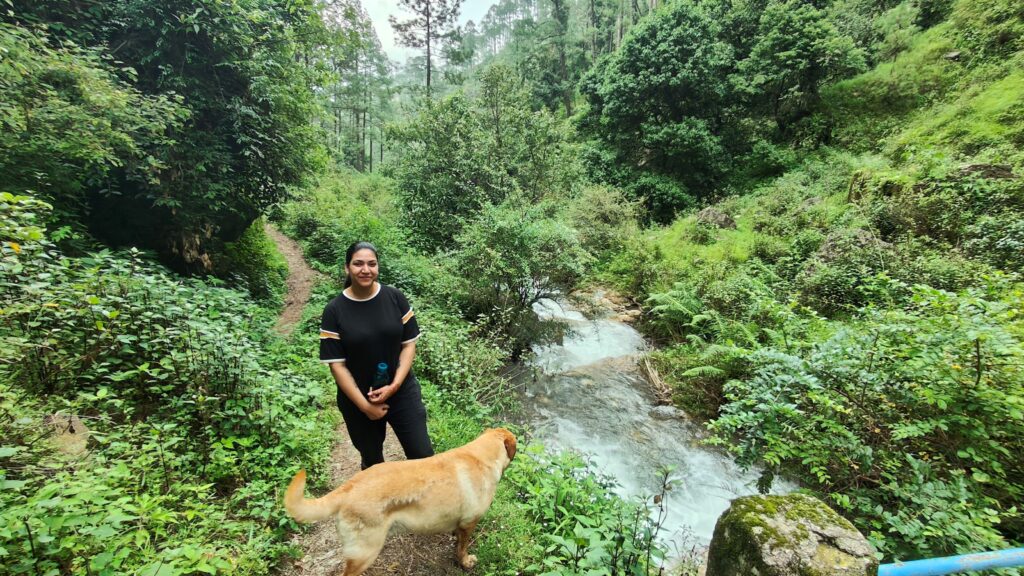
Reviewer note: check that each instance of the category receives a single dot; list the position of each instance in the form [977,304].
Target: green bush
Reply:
[923,262]
[518,255]
[703,233]
[467,151]
[71,123]
[253,263]
[584,528]
[768,159]
[196,416]
[457,362]
[910,419]
[662,197]
[831,281]
[998,240]
[991,27]
[636,269]
[698,375]
[769,249]
[604,219]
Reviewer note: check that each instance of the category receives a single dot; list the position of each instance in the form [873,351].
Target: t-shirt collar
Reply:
[374,295]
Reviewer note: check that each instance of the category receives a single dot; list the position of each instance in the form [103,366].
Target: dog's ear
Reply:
[510,444]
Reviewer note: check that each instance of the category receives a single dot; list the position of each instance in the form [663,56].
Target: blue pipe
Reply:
[953,564]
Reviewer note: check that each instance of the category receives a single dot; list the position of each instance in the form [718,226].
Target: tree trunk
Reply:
[428,35]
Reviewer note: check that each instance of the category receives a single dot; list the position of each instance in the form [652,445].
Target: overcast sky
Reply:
[379,10]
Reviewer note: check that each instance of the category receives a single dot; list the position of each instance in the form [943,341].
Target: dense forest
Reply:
[818,205]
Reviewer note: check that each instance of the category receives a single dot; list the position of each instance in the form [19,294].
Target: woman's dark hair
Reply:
[356,247]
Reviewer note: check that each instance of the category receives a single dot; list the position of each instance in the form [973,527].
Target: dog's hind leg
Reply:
[361,553]
[467,561]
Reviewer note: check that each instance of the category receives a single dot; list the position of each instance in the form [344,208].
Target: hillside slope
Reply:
[856,322]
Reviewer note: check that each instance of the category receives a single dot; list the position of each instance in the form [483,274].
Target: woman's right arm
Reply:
[347,384]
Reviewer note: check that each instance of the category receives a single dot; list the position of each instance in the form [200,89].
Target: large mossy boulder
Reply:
[792,535]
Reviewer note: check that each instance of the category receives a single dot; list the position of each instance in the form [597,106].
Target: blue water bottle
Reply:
[381,379]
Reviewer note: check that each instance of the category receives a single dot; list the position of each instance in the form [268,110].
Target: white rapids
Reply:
[587,394]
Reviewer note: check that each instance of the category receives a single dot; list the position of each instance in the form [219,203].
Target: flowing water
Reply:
[587,394]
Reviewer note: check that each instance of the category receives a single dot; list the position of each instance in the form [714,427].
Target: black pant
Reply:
[407,416]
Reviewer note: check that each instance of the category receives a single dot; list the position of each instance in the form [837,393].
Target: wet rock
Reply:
[628,316]
[716,218]
[664,413]
[792,535]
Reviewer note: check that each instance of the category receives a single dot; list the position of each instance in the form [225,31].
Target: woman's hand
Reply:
[379,395]
[375,411]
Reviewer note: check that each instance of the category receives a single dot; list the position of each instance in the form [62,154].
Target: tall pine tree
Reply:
[430,22]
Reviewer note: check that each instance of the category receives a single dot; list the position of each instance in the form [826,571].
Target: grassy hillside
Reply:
[857,322]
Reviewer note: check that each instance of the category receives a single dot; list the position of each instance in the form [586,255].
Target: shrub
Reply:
[676,313]
[254,264]
[831,281]
[466,151]
[769,249]
[604,219]
[456,362]
[922,262]
[194,416]
[515,255]
[698,374]
[909,418]
[585,528]
[301,219]
[768,159]
[326,246]
[662,197]
[998,239]
[71,123]
[637,268]
[991,27]
[703,233]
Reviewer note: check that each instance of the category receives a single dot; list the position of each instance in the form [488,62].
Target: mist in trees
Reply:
[431,21]
[357,88]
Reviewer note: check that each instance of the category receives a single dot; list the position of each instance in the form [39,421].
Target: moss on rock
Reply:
[792,535]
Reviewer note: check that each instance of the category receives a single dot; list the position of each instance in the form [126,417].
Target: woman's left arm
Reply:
[405,358]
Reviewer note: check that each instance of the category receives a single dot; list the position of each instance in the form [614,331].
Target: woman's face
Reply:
[362,269]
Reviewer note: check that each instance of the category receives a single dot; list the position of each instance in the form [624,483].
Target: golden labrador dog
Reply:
[448,492]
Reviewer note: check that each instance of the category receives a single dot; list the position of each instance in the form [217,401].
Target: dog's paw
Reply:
[468,562]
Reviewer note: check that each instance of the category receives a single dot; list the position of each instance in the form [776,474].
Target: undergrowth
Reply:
[148,422]
[859,328]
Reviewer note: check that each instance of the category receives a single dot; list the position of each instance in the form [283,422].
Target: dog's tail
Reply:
[304,509]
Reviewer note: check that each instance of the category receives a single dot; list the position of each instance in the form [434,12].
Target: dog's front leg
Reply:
[467,561]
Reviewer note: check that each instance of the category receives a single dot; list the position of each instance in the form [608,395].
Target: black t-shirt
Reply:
[364,333]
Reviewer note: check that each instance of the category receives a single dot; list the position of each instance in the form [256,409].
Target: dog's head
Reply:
[509,440]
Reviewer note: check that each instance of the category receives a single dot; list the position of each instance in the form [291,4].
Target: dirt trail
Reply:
[403,554]
[300,280]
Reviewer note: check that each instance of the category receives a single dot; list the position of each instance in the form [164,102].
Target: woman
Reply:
[366,326]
